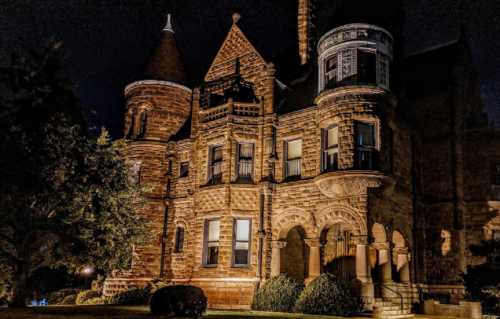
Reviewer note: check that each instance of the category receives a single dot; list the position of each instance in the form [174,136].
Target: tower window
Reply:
[241,242]
[330,148]
[215,167]
[179,239]
[211,251]
[367,67]
[331,69]
[245,161]
[365,146]
[293,151]
[184,169]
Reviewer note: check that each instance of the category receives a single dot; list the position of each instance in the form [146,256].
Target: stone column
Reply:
[314,258]
[403,264]
[276,257]
[384,262]
[363,271]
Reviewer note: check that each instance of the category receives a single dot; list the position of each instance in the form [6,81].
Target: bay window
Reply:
[365,156]
[244,163]
[293,156]
[211,242]
[330,148]
[215,165]
[241,242]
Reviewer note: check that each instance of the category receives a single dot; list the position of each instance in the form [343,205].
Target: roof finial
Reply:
[236,17]
[168,26]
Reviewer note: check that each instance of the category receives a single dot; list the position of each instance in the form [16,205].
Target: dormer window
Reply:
[365,157]
[330,137]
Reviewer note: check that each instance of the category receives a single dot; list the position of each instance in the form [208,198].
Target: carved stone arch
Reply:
[181,222]
[291,217]
[378,233]
[342,214]
[398,240]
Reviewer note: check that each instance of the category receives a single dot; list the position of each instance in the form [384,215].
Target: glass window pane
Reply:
[241,245]
[213,230]
[246,150]
[212,255]
[332,136]
[241,257]
[365,134]
[294,149]
[242,229]
[217,153]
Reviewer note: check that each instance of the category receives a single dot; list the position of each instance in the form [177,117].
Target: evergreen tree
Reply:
[65,198]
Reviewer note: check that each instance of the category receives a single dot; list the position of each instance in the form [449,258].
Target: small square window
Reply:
[184,169]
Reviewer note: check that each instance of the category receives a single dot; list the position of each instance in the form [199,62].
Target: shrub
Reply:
[86,295]
[57,297]
[97,301]
[277,294]
[184,301]
[69,300]
[134,296]
[329,295]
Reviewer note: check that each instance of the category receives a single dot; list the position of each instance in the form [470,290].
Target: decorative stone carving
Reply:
[290,218]
[342,214]
[342,184]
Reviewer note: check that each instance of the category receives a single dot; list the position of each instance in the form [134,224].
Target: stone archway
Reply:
[338,253]
[294,255]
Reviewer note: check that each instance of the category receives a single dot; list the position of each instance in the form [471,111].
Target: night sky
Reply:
[107,43]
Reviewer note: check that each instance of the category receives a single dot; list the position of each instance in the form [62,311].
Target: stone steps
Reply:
[383,308]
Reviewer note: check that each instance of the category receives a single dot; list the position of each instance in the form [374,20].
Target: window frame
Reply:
[205,254]
[286,159]
[182,173]
[325,148]
[239,159]
[179,244]
[235,241]
[365,148]
[211,150]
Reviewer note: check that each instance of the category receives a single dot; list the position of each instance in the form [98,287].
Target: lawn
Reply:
[131,312]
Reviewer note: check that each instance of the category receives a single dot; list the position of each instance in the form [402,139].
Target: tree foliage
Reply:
[65,198]
[482,282]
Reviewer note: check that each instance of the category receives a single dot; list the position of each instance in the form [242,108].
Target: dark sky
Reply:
[107,43]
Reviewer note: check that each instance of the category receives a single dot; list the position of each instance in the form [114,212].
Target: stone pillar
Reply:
[363,271]
[384,262]
[314,258]
[403,265]
[276,257]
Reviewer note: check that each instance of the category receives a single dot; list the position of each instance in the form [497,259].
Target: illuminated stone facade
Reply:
[341,185]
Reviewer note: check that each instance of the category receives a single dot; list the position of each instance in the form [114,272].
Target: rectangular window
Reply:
[367,67]
[365,146]
[212,231]
[215,168]
[245,161]
[293,151]
[241,242]
[331,69]
[184,169]
[496,174]
[330,148]
[179,239]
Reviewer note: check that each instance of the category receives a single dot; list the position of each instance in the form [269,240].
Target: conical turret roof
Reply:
[166,63]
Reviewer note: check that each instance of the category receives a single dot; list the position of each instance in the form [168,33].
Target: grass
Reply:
[134,312]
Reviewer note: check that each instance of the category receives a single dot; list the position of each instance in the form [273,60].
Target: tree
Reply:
[482,282]
[65,198]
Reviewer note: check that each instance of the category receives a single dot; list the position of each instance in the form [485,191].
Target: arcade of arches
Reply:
[337,248]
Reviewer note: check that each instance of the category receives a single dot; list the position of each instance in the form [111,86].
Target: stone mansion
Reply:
[360,167]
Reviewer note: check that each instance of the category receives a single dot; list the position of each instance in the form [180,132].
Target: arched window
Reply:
[179,239]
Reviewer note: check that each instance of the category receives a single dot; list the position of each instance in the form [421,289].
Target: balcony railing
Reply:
[292,168]
[236,108]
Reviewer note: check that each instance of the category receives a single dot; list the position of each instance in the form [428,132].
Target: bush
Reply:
[57,297]
[69,300]
[329,295]
[134,296]
[277,294]
[83,297]
[183,301]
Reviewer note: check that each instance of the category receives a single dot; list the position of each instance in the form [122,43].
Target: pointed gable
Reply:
[235,46]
